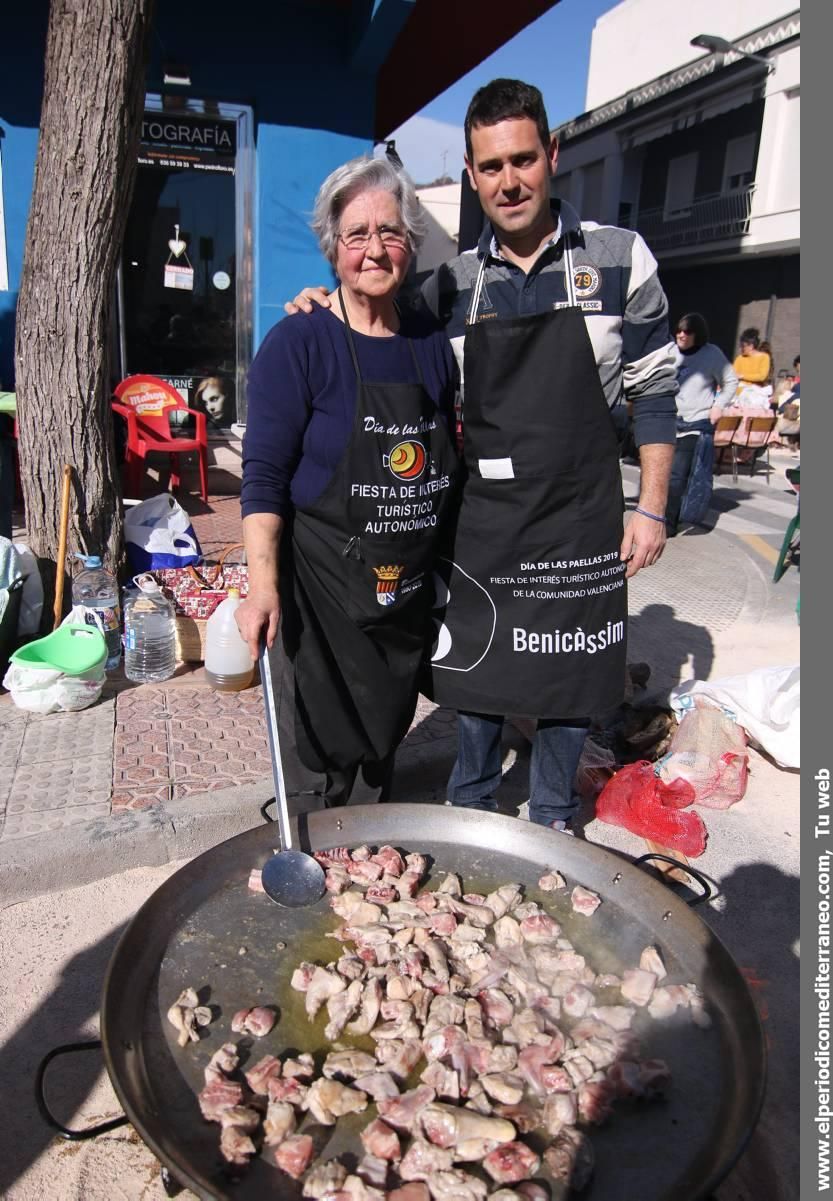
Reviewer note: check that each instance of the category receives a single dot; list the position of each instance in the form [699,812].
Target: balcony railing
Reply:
[706,220]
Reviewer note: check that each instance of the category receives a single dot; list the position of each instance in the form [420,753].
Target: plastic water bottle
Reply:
[228,664]
[96,588]
[149,633]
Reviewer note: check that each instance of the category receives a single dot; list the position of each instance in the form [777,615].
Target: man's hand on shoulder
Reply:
[305,301]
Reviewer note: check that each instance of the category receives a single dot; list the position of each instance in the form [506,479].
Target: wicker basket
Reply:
[190,638]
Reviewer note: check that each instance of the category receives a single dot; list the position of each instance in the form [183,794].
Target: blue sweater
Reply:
[302,401]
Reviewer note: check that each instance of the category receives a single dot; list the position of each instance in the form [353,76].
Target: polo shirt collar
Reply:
[564,215]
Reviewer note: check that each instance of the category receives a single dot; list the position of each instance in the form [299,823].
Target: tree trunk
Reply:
[92,107]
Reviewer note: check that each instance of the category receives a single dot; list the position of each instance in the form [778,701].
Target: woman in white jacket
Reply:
[707,384]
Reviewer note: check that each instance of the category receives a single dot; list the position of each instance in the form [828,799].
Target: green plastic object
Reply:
[72,649]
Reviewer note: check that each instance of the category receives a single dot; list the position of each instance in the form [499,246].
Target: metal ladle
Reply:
[291,877]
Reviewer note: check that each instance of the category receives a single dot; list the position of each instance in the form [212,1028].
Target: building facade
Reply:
[702,157]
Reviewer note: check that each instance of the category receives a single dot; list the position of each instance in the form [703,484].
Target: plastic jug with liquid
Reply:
[228,664]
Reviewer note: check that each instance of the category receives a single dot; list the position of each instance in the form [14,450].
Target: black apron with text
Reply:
[356,585]
[533,616]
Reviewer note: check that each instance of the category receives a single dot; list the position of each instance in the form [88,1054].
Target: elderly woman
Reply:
[348,474]
[707,385]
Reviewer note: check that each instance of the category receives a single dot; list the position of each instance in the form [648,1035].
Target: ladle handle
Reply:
[275,747]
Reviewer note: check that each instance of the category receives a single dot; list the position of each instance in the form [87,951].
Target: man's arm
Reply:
[650,382]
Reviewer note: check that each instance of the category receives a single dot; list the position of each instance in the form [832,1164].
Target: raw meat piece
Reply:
[415,862]
[325,1178]
[373,1171]
[221,1062]
[524,1117]
[608,980]
[279,1123]
[560,1110]
[302,1065]
[337,855]
[444,1081]
[218,1096]
[354,909]
[507,933]
[337,879]
[355,1189]
[323,985]
[583,900]
[451,885]
[618,1017]
[404,1112]
[389,860]
[448,1126]
[532,1060]
[410,1192]
[423,1158]
[397,1057]
[328,1100]
[570,1159]
[577,1001]
[255,880]
[302,976]
[595,1101]
[444,1011]
[290,1090]
[377,1085]
[503,1087]
[540,929]
[552,881]
[380,894]
[361,853]
[477,915]
[511,1162]
[364,872]
[371,1000]
[341,1007]
[381,1140]
[443,924]
[236,1146]
[241,1116]
[526,1027]
[408,885]
[294,1154]
[502,899]
[186,1015]
[578,1067]
[257,1022]
[258,1076]
[347,1065]
[638,986]
[530,1191]
[497,1008]
[651,961]
[456,1185]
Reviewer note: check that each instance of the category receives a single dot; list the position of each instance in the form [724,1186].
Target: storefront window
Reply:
[185,291]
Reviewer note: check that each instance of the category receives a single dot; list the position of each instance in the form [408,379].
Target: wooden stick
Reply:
[674,873]
[62,547]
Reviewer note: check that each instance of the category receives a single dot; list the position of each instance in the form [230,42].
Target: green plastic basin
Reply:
[72,649]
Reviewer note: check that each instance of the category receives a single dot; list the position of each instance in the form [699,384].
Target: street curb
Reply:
[93,850]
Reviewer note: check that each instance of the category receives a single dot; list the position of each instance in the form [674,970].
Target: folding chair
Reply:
[724,432]
[756,436]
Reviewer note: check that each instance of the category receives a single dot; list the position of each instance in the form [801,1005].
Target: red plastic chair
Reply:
[146,404]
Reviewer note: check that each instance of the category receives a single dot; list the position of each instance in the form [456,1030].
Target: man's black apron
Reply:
[356,586]
[535,613]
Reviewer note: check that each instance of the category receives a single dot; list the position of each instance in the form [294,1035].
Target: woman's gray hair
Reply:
[364,174]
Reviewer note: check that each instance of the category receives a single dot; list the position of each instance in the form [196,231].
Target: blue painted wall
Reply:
[289,61]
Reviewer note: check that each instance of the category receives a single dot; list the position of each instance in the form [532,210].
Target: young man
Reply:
[554,322]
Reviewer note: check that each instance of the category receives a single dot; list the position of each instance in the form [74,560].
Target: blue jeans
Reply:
[556,751]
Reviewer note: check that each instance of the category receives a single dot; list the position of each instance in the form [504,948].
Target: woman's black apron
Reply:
[356,584]
[534,617]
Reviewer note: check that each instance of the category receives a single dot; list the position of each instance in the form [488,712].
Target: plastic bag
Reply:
[765,702]
[158,533]
[639,801]
[31,603]
[709,751]
[48,690]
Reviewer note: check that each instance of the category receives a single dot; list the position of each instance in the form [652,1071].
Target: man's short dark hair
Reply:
[505,100]
[696,324]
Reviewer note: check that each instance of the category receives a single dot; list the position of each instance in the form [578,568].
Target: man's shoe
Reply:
[561,826]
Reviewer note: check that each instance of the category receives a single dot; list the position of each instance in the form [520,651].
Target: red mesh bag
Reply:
[640,802]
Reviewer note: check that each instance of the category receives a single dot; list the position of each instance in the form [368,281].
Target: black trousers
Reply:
[307,790]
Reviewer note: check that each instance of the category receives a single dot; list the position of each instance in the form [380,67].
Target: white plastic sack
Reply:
[47,690]
[766,702]
[31,603]
[158,533]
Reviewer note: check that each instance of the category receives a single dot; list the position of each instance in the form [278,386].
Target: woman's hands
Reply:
[256,616]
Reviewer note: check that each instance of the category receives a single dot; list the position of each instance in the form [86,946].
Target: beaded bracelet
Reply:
[653,516]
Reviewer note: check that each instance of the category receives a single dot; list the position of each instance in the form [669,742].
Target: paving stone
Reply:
[48,785]
[140,798]
[9,712]
[63,737]
[22,825]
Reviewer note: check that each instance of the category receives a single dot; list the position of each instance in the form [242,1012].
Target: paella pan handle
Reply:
[707,892]
[46,1113]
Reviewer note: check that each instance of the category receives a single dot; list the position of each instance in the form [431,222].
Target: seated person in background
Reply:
[788,427]
[707,385]
[752,365]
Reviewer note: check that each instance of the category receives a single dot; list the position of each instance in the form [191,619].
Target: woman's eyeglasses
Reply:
[684,332]
[390,236]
